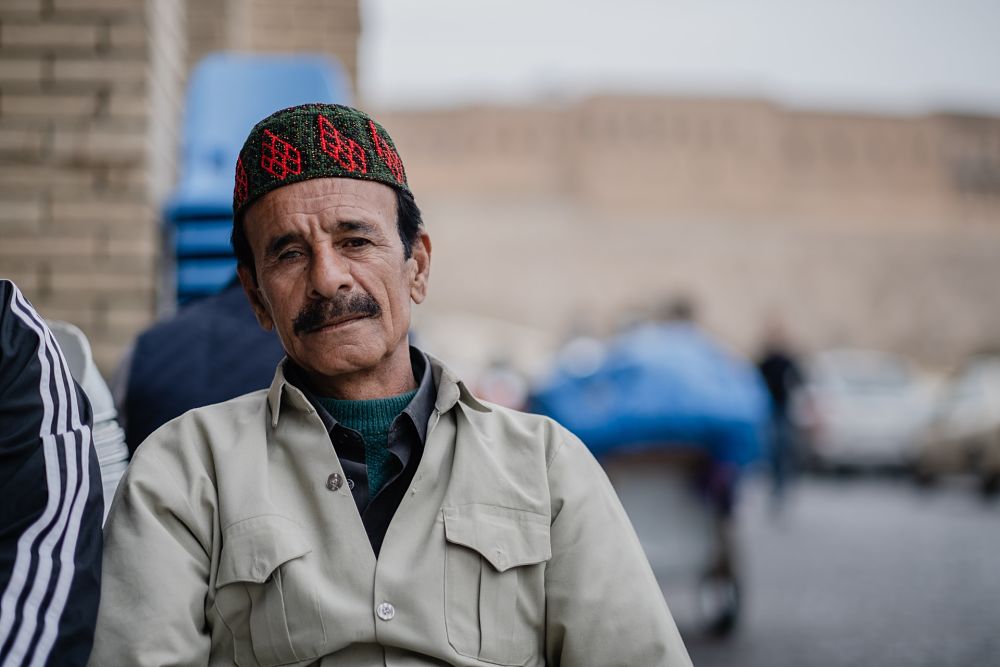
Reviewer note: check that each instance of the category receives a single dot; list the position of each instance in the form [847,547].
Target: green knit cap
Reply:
[314,141]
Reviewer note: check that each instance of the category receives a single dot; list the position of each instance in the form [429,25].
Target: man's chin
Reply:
[338,352]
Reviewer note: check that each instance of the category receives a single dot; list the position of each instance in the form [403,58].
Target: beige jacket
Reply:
[231,542]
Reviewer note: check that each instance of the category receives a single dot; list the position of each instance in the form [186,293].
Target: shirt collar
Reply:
[450,390]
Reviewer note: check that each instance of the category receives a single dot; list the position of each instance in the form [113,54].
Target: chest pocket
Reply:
[495,582]
[264,593]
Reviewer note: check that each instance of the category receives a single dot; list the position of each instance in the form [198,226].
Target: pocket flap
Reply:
[505,537]
[254,548]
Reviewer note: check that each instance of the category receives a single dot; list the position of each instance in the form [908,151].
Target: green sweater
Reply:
[372,419]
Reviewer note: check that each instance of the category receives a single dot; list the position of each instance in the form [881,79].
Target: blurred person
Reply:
[720,477]
[675,418]
[782,375]
[50,482]
[209,352]
[503,384]
[367,508]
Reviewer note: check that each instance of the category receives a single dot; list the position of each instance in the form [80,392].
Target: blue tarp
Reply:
[662,385]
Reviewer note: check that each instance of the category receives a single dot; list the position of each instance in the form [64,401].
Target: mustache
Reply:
[318,313]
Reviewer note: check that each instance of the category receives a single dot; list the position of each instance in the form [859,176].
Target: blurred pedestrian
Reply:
[50,483]
[211,351]
[503,384]
[782,374]
[367,508]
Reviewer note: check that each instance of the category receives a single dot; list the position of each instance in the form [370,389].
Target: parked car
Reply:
[862,409]
[964,435]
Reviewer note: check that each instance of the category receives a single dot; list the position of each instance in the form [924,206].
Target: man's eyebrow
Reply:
[356,226]
[276,244]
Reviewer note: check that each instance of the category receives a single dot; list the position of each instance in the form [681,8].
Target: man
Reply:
[366,509]
[52,506]
[783,376]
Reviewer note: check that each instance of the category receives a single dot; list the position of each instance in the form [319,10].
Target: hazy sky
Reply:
[892,55]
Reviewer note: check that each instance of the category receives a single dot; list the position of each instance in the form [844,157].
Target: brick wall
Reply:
[77,227]
[90,104]
[263,26]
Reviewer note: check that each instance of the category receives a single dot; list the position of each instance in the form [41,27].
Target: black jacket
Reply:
[51,503]
[211,351]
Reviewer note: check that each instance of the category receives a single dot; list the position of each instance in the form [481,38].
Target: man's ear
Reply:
[420,267]
[252,291]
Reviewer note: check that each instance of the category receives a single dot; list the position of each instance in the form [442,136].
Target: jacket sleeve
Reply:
[52,506]
[604,607]
[156,568]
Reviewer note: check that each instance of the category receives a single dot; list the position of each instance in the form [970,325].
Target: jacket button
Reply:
[334,481]
[385,611]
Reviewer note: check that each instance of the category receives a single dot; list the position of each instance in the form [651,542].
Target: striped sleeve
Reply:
[51,509]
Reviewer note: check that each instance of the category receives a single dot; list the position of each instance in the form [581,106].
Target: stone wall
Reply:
[713,156]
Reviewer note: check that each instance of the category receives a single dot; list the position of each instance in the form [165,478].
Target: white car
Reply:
[964,435]
[862,409]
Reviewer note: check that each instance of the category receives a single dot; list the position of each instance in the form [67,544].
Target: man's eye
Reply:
[290,254]
[356,242]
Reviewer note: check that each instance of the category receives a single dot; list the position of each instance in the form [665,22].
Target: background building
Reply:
[856,229]
[861,230]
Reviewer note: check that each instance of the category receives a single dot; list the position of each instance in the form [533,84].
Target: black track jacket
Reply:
[50,498]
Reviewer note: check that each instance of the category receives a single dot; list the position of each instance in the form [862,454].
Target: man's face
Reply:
[332,277]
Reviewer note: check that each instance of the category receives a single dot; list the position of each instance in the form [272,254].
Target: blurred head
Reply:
[680,308]
[330,246]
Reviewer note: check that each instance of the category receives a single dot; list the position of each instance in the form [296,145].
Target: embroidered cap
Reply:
[314,141]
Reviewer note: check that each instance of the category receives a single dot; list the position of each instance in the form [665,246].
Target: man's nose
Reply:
[330,272]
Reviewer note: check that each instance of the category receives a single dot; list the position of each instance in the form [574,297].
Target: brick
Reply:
[44,247]
[117,73]
[127,37]
[18,215]
[81,315]
[20,8]
[99,6]
[132,105]
[107,355]
[121,180]
[47,36]
[21,142]
[76,279]
[147,248]
[128,319]
[42,107]
[25,277]
[99,146]
[99,211]
[20,70]
[94,265]
[137,229]
[21,178]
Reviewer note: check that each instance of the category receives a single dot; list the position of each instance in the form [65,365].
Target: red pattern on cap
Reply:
[347,152]
[388,155]
[278,157]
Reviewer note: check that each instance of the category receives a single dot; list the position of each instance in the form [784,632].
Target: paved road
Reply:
[866,572]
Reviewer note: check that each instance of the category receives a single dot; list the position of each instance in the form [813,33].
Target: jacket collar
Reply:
[450,391]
